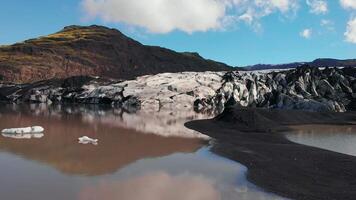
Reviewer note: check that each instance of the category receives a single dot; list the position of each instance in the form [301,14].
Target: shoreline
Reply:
[276,164]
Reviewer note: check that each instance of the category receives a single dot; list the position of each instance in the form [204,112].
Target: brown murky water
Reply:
[126,164]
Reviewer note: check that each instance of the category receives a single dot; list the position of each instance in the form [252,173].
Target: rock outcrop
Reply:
[74,90]
[304,88]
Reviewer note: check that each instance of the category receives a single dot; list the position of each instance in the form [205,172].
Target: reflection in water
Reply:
[194,176]
[340,139]
[125,164]
[60,149]
[164,123]
[154,186]
[203,172]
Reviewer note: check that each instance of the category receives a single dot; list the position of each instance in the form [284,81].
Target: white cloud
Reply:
[317,6]
[306,33]
[163,16]
[159,16]
[348,4]
[350,33]
[251,11]
[328,24]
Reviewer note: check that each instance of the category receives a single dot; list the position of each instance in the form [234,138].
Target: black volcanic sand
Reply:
[254,138]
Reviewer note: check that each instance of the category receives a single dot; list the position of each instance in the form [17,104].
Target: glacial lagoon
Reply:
[138,156]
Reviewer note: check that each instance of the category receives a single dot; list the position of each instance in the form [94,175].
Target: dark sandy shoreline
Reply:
[254,138]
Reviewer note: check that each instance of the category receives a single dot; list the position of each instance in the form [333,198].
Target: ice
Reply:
[33,129]
[23,135]
[87,140]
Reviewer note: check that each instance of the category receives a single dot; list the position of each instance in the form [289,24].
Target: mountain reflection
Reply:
[59,148]
[154,186]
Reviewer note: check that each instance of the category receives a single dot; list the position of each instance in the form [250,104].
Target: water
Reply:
[126,164]
[341,139]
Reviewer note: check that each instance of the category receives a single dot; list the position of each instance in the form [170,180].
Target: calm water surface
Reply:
[129,163]
[341,139]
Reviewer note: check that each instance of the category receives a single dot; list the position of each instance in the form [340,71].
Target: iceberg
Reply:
[23,135]
[87,140]
[33,129]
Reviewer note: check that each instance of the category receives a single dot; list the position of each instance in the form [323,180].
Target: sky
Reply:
[236,32]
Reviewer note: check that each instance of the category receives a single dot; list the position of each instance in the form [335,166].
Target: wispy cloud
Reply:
[328,24]
[350,33]
[306,33]
[251,12]
[318,6]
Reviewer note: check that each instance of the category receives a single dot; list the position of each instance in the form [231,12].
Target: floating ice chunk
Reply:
[37,129]
[87,140]
[23,135]
[33,129]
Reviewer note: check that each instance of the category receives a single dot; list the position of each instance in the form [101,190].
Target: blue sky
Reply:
[237,32]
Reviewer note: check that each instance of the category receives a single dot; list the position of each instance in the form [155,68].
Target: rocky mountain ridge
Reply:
[93,51]
[321,62]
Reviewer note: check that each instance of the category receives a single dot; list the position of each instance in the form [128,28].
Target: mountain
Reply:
[321,62]
[93,50]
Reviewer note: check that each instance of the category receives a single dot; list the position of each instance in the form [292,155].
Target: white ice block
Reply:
[33,129]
